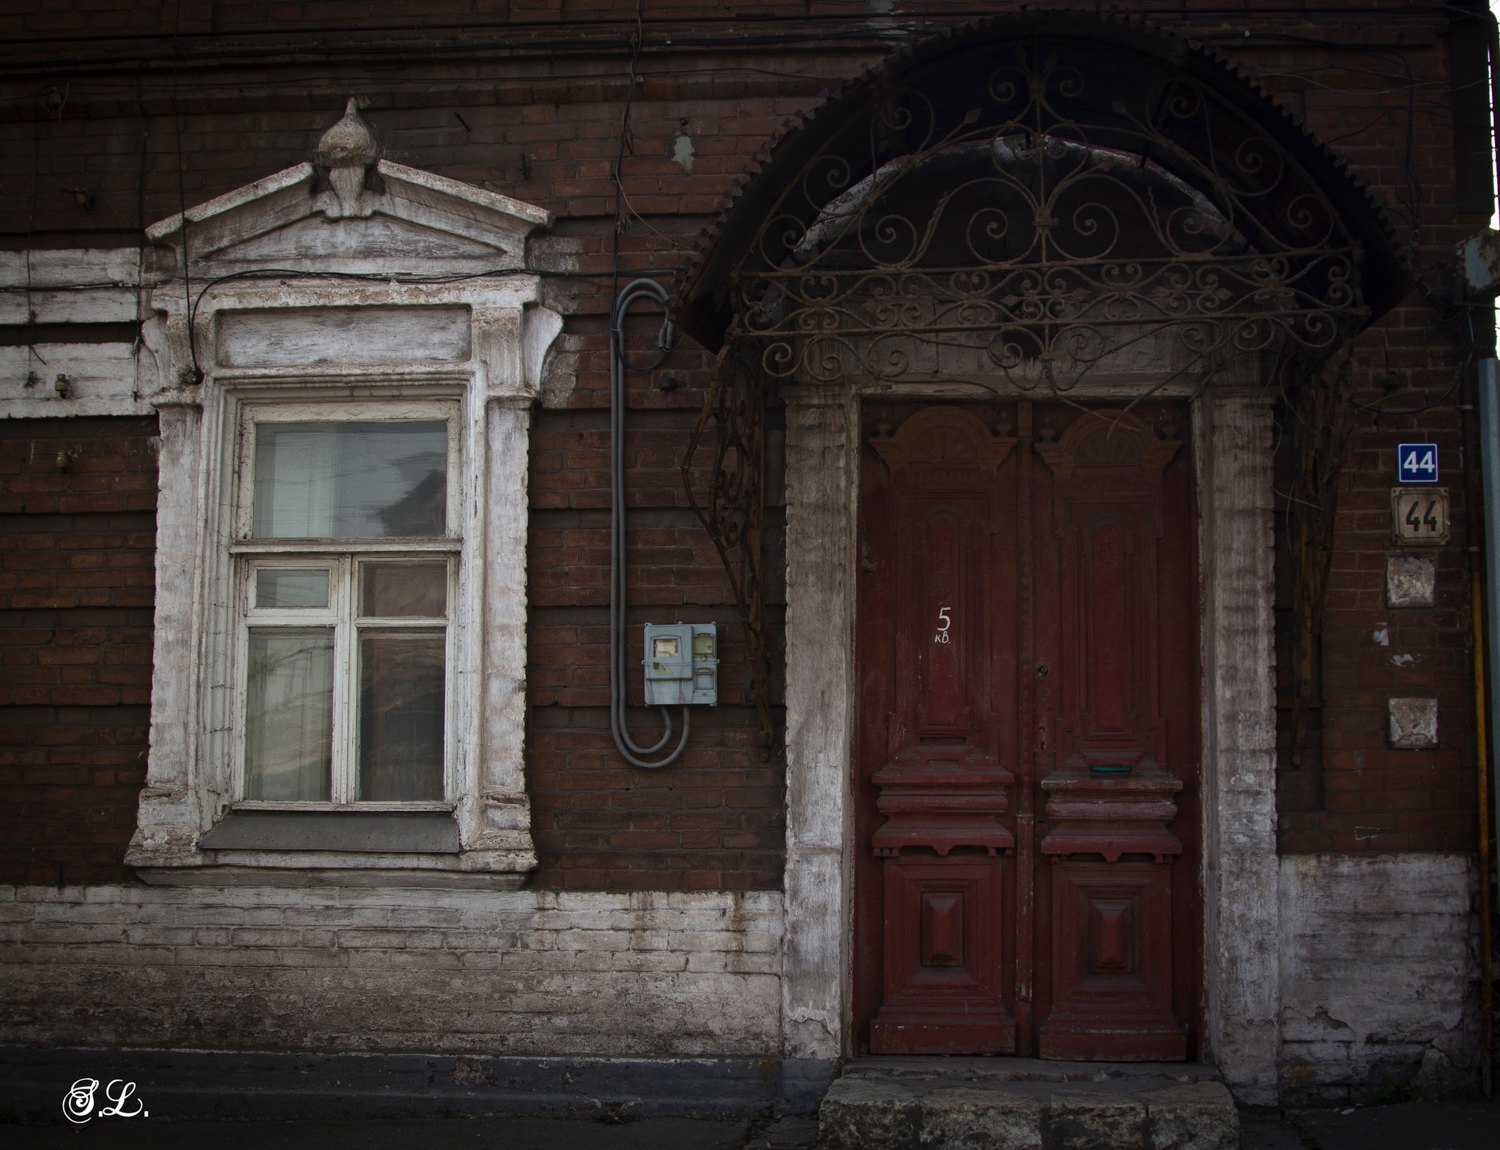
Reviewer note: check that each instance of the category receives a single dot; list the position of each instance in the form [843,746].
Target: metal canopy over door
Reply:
[1027,732]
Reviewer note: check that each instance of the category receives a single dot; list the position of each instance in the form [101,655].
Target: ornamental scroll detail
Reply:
[1050,218]
[1043,224]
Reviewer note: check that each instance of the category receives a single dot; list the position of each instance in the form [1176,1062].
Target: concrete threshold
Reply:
[1026,1104]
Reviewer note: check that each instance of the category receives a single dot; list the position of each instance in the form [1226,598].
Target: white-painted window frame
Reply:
[341,558]
[491,381]
[408,287]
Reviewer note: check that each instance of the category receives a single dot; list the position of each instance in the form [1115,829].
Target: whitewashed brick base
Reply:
[1377,972]
[1379,976]
[275,968]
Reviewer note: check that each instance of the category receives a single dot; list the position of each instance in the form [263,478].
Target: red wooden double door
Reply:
[1027,739]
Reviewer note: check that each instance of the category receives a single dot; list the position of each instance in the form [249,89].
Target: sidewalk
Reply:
[384,1134]
[1411,1126]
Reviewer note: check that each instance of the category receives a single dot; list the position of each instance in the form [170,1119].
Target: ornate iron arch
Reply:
[1035,198]
[1031,187]
[1022,248]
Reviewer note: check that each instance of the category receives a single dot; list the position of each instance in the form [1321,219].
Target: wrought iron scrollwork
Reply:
[996,232]
[1034,222]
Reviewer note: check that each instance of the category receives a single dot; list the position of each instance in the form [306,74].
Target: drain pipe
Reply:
[1487,627]
[635,755]
[1487,623]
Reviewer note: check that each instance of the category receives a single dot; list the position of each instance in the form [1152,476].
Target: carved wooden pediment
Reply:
[944,435]
[1109,440]
[350,213]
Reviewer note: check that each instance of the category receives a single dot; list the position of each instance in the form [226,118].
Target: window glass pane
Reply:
[350,480]
[401,715]
[393,590]
[291,587]
[289,714]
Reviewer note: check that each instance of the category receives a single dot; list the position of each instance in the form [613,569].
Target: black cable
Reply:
[36,170]
[1460,373]
[194,377]
[618,535]
[620,302]
[196,303]
[140,263]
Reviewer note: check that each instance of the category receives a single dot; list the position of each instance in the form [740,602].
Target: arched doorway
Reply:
[1043,223]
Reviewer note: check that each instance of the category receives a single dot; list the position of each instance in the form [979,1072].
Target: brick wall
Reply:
[714,820]
[529,98]
[452,971]
[77,516]
[1412,375]
[1353,791]
[658,886]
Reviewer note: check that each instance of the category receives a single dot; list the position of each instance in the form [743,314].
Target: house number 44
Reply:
[944,622]
[1419,515]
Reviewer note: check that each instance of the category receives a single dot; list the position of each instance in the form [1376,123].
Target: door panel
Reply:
[1026,792]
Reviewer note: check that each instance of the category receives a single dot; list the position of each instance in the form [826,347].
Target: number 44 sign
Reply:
[1419,515]
[1417,463]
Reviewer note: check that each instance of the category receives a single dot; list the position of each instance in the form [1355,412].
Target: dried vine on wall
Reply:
[1319,419]
[734,412]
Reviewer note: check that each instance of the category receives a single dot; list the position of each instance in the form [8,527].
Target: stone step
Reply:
[1026,1104]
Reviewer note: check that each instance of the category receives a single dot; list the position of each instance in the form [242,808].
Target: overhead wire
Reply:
[196,371]
[619,574]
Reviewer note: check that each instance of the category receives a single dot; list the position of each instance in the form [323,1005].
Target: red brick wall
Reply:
[1413,374]
[1355,792]
[77,516]
[528,98]
[713,820]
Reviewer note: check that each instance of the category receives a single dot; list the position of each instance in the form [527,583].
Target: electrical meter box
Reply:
[682,664]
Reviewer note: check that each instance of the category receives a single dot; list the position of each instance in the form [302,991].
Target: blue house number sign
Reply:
[1417,463]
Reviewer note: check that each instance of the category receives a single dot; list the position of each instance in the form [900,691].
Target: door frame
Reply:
[1232,450]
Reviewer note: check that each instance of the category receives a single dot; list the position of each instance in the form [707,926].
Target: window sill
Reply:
[350,849]
[379,875]
[281,847]
[354,832]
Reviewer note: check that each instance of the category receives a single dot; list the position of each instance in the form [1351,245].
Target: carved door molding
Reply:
[1026,742]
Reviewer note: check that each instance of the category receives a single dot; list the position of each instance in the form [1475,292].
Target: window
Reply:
[347,562]
[339,669]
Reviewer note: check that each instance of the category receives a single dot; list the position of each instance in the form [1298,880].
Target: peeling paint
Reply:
[660,974]
[1410,581]
[804,1015]
[1413,723]
[1377,975]
[1328,1020]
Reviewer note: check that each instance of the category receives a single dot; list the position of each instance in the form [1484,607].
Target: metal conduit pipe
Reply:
[632,753]
[1487,628]
[1486,650]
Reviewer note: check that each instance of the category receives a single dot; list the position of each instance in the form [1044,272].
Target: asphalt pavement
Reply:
[385,1134]
[1409,1126]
